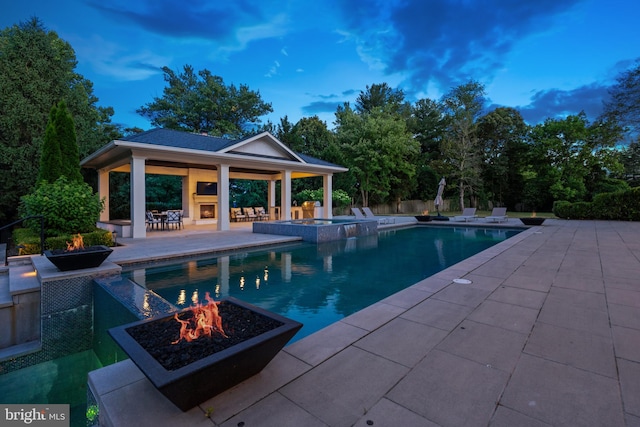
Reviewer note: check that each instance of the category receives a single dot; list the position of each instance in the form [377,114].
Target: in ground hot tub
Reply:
[318,230]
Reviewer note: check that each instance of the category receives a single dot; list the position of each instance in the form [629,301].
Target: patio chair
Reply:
[498,215]
[250,213]
[358,213]
[151,221]
[468,214]
[236,215]
[370,215]
[261,213]
[175,218]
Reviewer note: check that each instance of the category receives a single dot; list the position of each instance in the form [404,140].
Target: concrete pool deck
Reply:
[547,333]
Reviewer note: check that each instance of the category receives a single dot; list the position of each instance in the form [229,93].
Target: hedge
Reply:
[619,205]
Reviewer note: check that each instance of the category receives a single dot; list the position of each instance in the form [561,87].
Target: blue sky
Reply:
[547,58]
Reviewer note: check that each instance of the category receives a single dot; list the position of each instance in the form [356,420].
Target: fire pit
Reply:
[77,256]
[532,220]
[199,352]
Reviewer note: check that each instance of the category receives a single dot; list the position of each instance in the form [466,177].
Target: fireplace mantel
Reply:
[198,199]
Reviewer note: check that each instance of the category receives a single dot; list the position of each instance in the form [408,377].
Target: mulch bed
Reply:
[239,324]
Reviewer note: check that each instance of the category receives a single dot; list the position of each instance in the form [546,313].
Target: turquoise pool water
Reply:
[319,284]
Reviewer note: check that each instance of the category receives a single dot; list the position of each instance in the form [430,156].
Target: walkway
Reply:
[547,333]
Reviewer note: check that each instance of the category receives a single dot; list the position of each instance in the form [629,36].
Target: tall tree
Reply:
[37,69]
[381,96]
[502,135]
[463,106]
[66,135]
[379,152]
[568,159]
[202,102]
[427,124]
[51,156]
[624,105]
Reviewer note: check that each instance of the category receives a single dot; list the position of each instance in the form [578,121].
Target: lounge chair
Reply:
[358,213]
[250,213]
[497,215]
[236,215]
[370,215]
[468,214]
[261,213]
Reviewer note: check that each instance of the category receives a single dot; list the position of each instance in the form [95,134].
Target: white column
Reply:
[327,190]
[186,198]
[103,192]
[223,198]
[285,195]
[271,197]
[138,197]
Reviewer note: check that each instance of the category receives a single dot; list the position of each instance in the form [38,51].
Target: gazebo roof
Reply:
[261,151]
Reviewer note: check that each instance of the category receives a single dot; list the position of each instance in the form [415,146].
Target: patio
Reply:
[547,333]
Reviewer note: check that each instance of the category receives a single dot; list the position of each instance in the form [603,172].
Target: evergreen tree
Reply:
[51,157]
[60,148]
[66,135]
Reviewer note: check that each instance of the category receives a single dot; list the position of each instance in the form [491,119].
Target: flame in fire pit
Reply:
[204,322]
[76,244]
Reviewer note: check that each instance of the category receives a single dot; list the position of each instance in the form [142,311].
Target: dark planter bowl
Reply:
[89,257]
[199,381]
[532,221]
[423,218]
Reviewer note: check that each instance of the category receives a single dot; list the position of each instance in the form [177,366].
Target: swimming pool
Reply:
[319,284]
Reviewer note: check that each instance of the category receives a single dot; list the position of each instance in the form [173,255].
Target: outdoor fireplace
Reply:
[207,211]
[199,352]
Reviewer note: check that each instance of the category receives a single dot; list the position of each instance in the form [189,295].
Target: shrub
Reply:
[339,198]
[620,205]
[29,241]
[67,207]
[95,238]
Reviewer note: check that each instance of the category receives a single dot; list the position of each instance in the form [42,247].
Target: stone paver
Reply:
[547,334]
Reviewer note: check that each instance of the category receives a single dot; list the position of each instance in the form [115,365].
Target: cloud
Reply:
[555,103]
[318,107]
[109,59]
[232,25]
[444,42]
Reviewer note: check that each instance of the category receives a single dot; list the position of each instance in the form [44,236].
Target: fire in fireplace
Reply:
[207,211]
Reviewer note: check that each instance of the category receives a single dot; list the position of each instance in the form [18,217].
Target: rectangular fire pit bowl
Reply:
[204,376]
[89,257]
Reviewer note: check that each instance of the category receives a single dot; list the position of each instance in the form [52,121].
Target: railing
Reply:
[21,220]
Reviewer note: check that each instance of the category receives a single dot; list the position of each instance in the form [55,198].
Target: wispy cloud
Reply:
[112,60]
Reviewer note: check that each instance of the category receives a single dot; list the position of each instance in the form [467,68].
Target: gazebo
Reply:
[206,164]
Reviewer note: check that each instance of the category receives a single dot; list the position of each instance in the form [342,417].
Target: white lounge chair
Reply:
[370,215]
[358,213]
[468,214]
[498,215]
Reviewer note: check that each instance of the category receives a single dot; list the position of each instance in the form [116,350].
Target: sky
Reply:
[546,58]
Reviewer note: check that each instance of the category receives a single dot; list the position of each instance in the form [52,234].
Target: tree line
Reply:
[394,149]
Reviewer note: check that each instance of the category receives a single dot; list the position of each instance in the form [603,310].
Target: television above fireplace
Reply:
[207,188]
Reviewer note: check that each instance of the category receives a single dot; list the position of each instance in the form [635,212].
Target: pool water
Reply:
[319,284]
